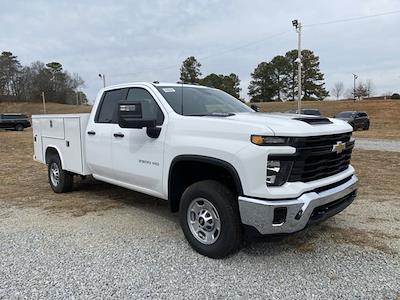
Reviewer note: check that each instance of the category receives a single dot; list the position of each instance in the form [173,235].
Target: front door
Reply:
[138,158]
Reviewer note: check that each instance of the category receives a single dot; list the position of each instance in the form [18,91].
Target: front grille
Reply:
[314,158]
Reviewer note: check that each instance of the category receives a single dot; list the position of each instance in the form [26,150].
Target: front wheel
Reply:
[60,180]
[210,220]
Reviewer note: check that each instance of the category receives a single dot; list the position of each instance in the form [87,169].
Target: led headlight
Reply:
[261,140]
[278,172]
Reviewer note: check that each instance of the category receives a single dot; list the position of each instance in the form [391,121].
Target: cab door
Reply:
[137,158]
[99,134]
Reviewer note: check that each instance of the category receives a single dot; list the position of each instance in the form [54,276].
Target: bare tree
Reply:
[369,86]
[361,91]
[338,89]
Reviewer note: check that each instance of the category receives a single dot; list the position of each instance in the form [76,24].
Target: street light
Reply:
[297,25]
[102,76]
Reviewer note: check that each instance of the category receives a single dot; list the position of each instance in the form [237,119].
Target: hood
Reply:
[285,124]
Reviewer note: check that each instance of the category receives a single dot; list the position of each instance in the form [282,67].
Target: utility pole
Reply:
[297,25]
[44,103]
[102,76]
[354,85]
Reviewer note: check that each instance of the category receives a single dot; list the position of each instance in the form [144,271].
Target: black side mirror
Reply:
[130,115]
[255,108]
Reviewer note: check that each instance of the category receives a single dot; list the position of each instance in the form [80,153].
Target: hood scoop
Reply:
[314,120]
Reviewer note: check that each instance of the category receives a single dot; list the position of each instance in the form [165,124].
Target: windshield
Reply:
[199,101]
[345,114]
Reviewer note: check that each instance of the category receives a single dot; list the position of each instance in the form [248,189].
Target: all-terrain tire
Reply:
[60,180]
[223,200]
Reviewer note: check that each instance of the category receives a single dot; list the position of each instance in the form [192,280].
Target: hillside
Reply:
[32,108]
[384,114]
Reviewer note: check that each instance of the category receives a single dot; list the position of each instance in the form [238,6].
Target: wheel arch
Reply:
[177,183]
[53,150]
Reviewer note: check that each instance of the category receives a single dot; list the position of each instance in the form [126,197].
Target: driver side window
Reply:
[150,108]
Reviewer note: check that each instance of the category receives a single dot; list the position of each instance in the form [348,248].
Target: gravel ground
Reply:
[376,144]
[141,253]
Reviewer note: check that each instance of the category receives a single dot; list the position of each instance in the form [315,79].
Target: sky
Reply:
[148,40]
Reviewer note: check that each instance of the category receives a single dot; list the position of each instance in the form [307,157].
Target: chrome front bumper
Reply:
[299,212]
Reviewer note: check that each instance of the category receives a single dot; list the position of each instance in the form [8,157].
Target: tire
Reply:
[195,204]
[366,127]
[19,127]
[61,181]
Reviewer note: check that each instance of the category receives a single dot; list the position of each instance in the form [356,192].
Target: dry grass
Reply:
[33,108]
[24,183]
[384,114]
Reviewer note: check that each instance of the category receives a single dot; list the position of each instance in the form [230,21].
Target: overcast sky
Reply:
[147,40]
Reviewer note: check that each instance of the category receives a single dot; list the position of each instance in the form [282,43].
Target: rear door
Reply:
[137,158]
[99,134]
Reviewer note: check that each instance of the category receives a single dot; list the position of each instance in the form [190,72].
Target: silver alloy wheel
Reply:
[54,174]
[203,220]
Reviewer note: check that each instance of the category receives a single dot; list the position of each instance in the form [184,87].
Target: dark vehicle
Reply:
[357,119]
[14,121]
[306,111]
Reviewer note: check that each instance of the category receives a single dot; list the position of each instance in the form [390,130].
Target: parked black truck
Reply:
[14,121]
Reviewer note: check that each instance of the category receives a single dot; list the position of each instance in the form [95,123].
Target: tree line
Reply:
[275,80]
[190,73]
[27,83]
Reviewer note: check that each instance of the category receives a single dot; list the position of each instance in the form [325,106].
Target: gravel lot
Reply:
[106,242]
[376,144]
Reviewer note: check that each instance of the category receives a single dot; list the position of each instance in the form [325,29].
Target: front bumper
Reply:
[287,216]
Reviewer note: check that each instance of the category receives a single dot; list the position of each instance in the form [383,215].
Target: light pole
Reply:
[354,85]
[297,25]
[102,76]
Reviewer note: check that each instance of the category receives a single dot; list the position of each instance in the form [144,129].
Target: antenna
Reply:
[182,97]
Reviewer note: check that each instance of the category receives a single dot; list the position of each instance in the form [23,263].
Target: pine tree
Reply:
[190,70]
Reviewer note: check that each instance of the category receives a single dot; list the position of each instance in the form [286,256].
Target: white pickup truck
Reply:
[217,162]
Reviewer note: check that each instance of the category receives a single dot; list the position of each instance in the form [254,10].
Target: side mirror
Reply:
[130,116]
[255,108]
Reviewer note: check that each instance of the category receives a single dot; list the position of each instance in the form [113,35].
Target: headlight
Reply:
[278,172]
[261,140]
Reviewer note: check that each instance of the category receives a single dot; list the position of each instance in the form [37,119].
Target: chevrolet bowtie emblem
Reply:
[339,147]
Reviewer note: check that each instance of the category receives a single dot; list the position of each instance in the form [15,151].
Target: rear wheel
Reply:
[210,220]
[19,127]
[60,180]
[366,126]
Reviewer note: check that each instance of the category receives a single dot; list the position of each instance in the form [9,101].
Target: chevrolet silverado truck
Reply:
[220,164]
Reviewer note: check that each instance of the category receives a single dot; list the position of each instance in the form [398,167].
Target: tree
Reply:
[369,86]
[291,57]
[228,83]
[280,69]
[190,70]
[312,77]
[361,91]
[261,87]
[9,72]
[338,89]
